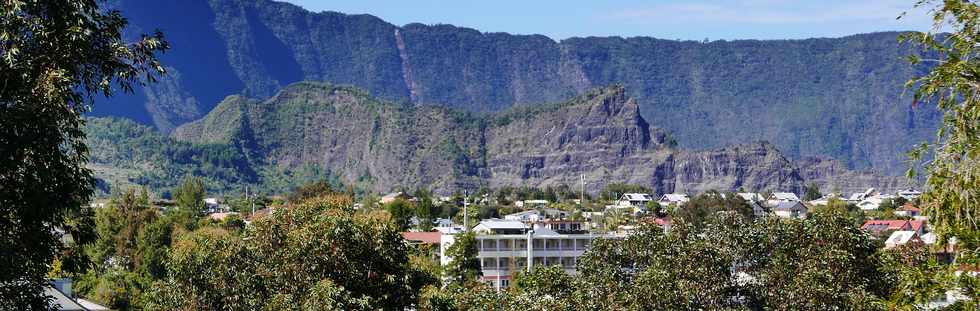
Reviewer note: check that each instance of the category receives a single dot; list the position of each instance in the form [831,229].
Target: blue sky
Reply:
[667,19]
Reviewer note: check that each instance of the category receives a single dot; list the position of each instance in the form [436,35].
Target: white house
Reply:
[751,196]
[554,213]
[674,198]
[501,255]
[900,238]
[212,205]
[531,203]
[62,298]
[499,226]
[755,200]
[909,194]
[449,230]
[778,197]
[907,210]
[443,222]
[634,199]
[789,209]
[873,202]
[525,216]
[825,199]
[859,196]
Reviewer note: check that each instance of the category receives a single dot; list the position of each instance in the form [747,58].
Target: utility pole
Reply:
[248,200]
[582,195]
[530,250]
[466,214]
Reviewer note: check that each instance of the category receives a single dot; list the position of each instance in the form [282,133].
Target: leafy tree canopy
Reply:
[56,58]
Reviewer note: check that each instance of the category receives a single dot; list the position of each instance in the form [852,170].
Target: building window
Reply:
[506,245]
[489,263]
[567,244]
[520,244]
[551,244]
[490,245]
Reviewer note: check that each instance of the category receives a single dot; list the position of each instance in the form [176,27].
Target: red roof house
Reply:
[432,237]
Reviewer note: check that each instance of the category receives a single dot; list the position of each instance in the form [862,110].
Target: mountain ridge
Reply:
[381,145]
[838,97]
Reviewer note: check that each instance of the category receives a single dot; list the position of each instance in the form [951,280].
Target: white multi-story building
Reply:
[506,248]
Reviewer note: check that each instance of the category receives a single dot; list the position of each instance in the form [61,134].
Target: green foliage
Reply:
[546,282]
[401,212]
[426,211]
[811,192]
[316,254]
[952,85]
[129,252]
[56,58]
[836,205]
[703,206]
[126,153]
[309,191]
[190,195]
[464,266]
[727,263]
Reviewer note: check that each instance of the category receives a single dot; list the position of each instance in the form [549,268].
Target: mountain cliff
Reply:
[317,129]
[838,98]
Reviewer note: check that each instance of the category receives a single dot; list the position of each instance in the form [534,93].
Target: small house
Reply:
[790,209]
[500,226]
[898,238]
[674,199]
[634,199]
[907,210]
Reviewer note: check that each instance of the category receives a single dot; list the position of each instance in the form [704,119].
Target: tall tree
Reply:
[56,58]
[425,209]
[401,212]
[953,84]
[464,267]
[128,253]
[310,190]
[952,199]
[811,192]
[190,194]
[703,206]
[316,255]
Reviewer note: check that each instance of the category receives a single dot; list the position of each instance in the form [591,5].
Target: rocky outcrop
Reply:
[599,136]
[832,176]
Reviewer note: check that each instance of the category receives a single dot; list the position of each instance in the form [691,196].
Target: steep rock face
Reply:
[838,98]
[341,131]
[599,136]
[753,167]
[832,176]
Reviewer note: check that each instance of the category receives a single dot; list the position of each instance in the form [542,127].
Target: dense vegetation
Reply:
[126,153]
[56,58]
[316,251]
